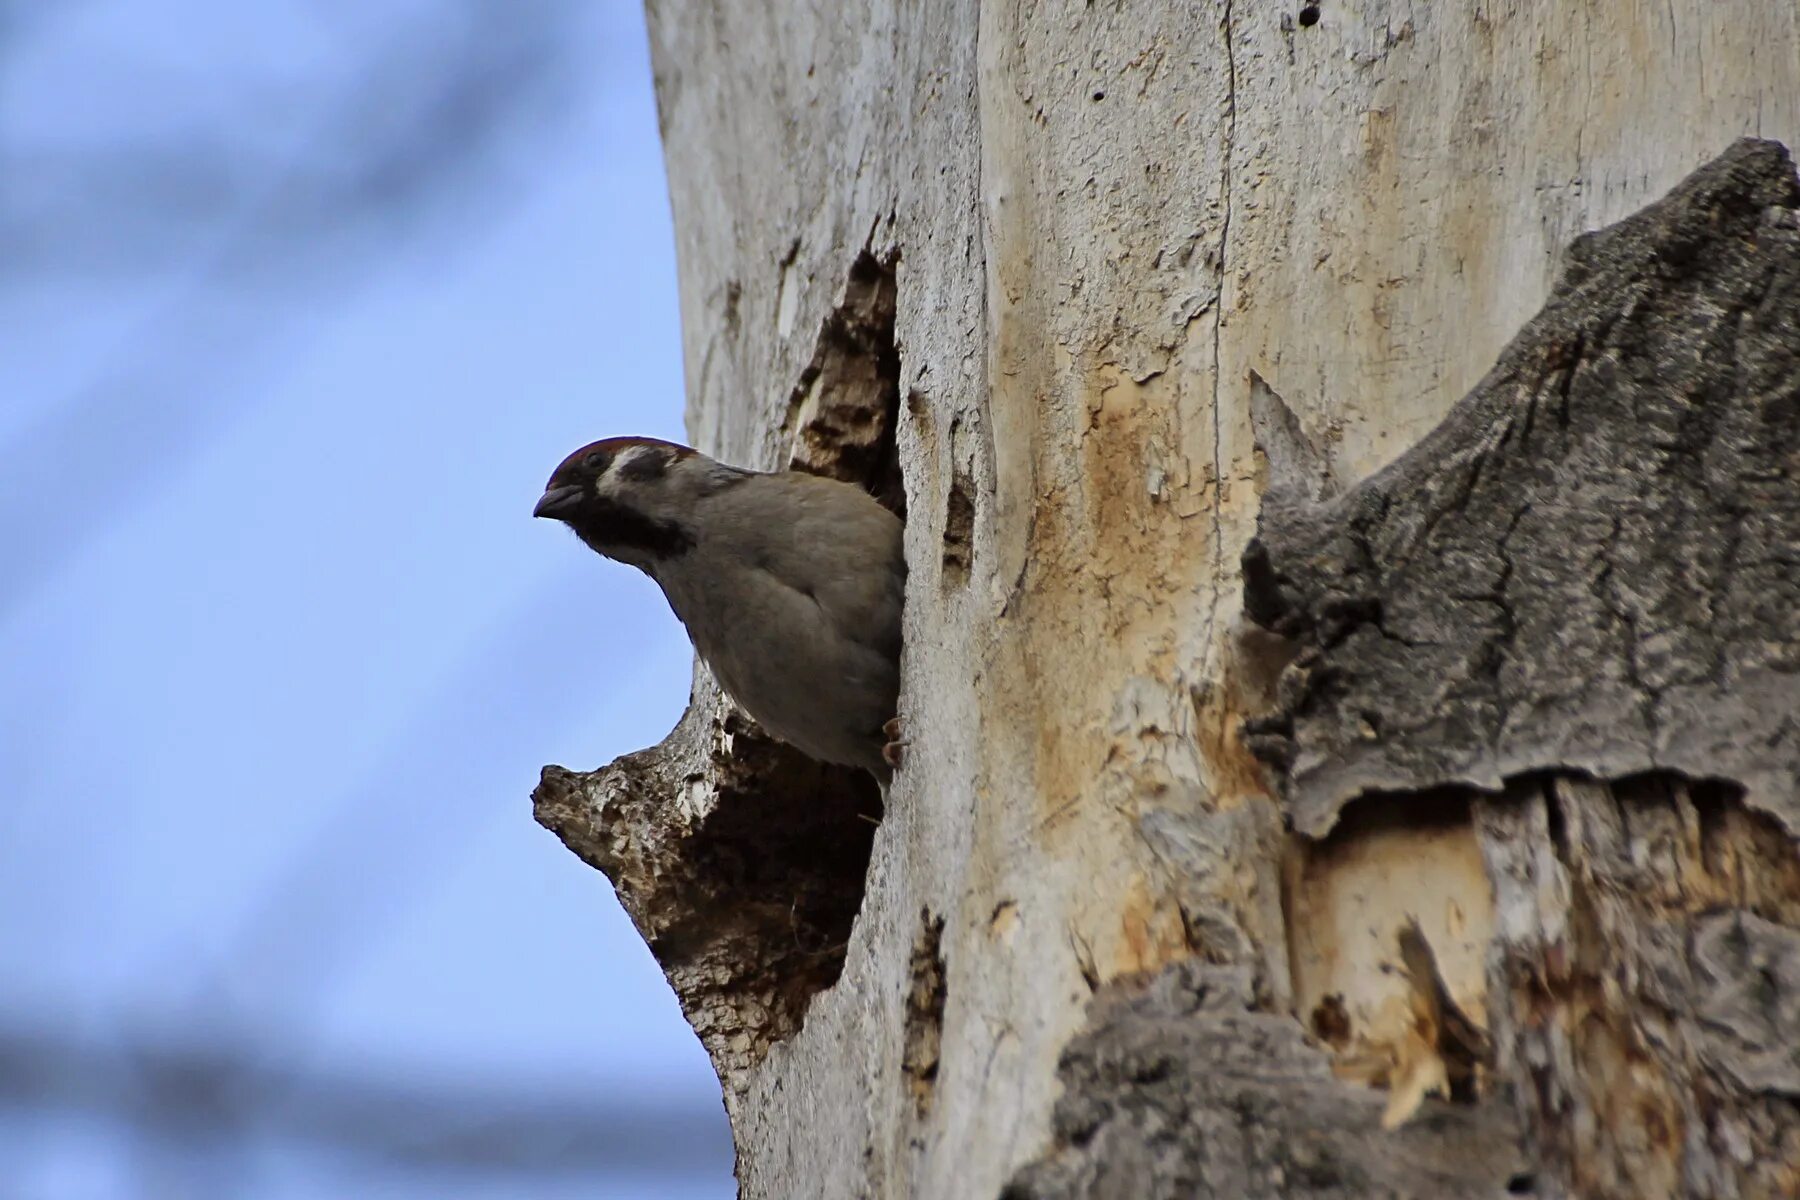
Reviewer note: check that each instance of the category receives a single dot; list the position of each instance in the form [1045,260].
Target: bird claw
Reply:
[894,752]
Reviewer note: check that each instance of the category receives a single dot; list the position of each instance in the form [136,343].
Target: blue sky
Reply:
[284,649]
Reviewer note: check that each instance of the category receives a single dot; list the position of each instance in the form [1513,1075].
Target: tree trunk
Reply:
[1296,804]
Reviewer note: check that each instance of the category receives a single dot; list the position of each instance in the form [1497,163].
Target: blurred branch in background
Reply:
[197,1093]
[429,126]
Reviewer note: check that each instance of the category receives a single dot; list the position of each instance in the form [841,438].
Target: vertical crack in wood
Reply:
[925,1013]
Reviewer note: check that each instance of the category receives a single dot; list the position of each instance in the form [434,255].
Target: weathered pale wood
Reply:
[1106,217]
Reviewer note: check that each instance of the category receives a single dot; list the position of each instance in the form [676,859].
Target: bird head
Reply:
[629,498]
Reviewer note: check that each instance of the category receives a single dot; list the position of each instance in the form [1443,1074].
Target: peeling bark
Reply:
[1645,985]
[1591,564]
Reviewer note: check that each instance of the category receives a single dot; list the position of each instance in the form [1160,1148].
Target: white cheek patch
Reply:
[608,485]
[631,470]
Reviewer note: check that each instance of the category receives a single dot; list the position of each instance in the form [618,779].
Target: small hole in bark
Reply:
[845,410]
[1331,1021]
[734,293]
[925,1012]
[1309,16]
[1522,1184]
[1555,822]
[1099,95]
[959,532]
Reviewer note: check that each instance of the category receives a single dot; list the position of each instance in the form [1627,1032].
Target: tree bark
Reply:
[1301,800]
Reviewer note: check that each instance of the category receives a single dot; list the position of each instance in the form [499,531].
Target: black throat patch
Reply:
[609,527]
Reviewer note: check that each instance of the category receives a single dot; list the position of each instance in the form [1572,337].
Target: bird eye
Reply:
[594,461]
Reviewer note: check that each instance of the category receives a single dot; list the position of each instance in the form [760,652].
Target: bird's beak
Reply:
[558,502]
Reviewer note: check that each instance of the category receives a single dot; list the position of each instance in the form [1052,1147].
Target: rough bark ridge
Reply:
[762,848]
[1594,563]
[1180,1090]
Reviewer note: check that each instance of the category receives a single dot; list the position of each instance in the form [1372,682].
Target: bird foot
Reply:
[894,752]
